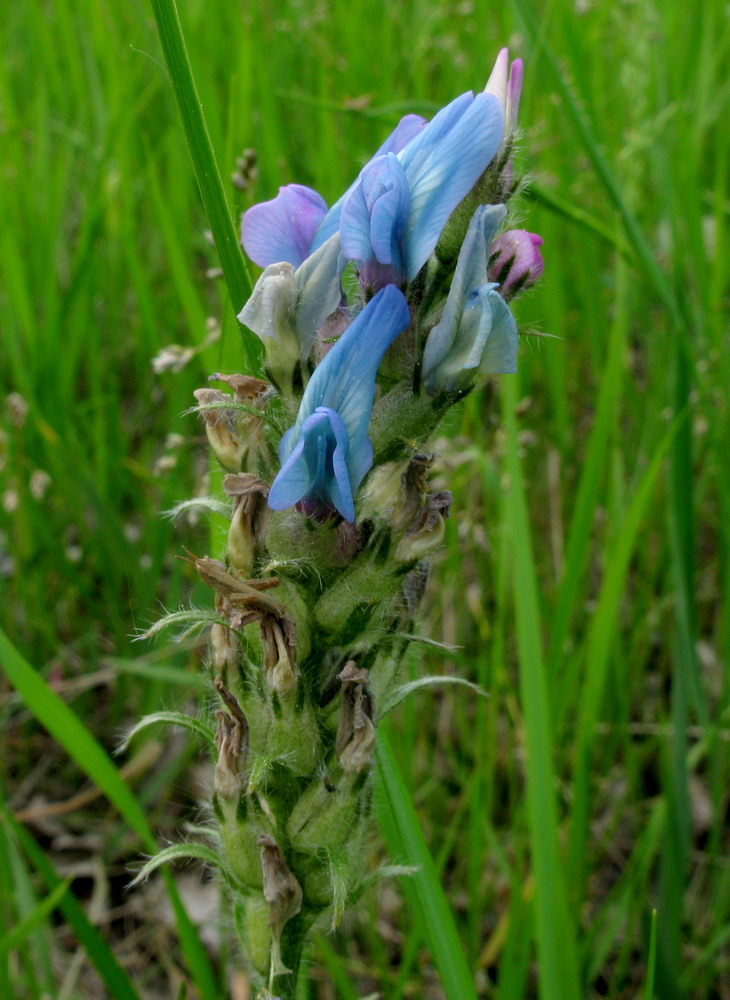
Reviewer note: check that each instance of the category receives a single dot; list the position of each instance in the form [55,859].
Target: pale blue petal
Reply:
[389,214]
[326,454]
[414,154]
[283,229]
[439,180]
[294,480]
[475,329]
[345,379]
[339,486]
[318,284]
[317,468]
[331,222]
[470,273]
[355,225]
[472,265]
[287,443]
[375,213]
[464,339]
[500,353]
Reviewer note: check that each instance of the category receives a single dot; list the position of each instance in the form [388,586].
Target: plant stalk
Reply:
[206,170]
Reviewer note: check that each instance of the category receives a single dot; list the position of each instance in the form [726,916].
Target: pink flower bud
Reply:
[515,261]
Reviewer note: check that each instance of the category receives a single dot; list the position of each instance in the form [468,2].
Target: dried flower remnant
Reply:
[283,894]
[356,731]
[232,741]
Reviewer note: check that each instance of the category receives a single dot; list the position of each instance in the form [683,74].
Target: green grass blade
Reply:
[648,262]
[556,945]
[400,827]
[35,919]
[53,713]
[115,978]
[602,627]
[594,464]
[651,963]
[568,210]
[206,169]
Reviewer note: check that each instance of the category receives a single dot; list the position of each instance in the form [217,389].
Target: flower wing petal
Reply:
[470,274]
[500,352]
[293,481]
[318,283]
[283,229]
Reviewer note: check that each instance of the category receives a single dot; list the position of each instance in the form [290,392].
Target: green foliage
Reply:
[616,607]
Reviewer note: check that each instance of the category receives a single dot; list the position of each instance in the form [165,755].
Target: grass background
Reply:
[585,575]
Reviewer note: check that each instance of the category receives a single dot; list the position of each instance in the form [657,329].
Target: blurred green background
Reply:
[598,623]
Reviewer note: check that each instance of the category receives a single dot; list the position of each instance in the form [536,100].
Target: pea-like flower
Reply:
[296,223]
[396,212]
[477,333]
[327,453]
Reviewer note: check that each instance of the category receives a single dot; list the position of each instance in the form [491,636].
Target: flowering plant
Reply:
[377,315]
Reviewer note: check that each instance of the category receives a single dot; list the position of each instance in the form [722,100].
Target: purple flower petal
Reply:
[283,229]
[516,260]
[407,129]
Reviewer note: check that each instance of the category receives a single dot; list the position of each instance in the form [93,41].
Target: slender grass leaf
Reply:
[206,169]
[569,210]
[34,919]
[600,642]
[651,961]
[111,972]
[556,944]
[403,835]
[531,19]
[53,713]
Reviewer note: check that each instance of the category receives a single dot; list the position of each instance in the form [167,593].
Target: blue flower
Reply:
[477,333]
[327,453]
[405,131]
[396,212]
[297,222]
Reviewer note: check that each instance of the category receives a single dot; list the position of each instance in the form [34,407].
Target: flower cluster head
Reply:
[420,226]
[377,314]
